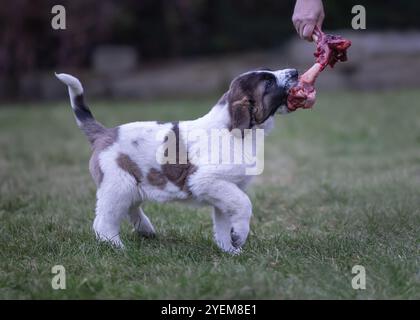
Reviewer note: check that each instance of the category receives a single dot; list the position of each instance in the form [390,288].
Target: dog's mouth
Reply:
[302,95]
[290,83]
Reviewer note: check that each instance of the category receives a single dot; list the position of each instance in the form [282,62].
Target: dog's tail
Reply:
[84,118]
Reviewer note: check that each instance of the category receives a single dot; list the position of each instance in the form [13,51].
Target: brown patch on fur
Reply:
[128,165]
[157,178]
[240,114]
[179,173]
[102,142]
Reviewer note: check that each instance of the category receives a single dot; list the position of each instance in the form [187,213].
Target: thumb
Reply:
[307,31]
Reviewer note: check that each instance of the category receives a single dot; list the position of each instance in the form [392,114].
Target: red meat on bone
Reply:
[329,50]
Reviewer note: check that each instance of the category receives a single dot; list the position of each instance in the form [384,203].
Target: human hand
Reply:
[307,15]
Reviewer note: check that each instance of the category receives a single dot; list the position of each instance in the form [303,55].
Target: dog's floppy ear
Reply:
[239,105]
[240,114]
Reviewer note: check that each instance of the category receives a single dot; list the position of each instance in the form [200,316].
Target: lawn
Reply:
[341,187]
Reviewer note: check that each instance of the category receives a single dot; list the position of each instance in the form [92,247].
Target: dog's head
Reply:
[255,96]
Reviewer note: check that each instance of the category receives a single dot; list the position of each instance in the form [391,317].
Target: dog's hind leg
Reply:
[112,206]
[141,222]
[107,222]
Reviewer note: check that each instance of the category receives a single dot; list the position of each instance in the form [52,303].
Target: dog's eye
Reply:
[270,83]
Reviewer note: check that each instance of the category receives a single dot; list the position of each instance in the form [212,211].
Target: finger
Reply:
[307,31]
[297,24]
[301,28]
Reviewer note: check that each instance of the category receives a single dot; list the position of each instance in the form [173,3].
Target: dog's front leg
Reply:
[231,216]
[222,230]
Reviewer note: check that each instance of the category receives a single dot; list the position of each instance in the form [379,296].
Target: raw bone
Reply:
[329,50]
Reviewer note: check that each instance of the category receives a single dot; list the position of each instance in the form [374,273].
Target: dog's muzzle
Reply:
[292,79]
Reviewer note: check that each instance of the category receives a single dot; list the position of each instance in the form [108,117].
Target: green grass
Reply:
[341,187]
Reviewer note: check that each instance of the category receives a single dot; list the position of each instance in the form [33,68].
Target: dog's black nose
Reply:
[293,73]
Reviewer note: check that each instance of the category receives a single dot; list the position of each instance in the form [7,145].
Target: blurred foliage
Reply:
[162,29]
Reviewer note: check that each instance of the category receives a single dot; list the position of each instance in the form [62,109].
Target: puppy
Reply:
[128,170]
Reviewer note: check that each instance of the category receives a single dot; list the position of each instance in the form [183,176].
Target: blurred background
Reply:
[144,49]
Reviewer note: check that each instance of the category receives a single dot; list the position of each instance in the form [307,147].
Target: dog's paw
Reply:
[114,241]
[232,250]
[145,233]
[237,239]
[227,247]
[235,251]
[145,228]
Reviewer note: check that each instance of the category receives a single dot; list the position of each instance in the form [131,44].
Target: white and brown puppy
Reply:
[125,169]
